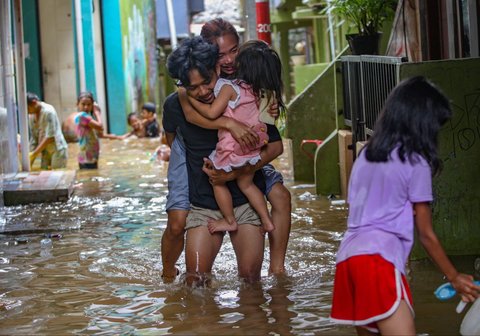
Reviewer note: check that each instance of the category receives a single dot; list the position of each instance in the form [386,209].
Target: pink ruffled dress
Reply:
[245,110]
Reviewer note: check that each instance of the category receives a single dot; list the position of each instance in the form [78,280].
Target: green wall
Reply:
[131,65]
[456,209]
[312,115]
[114,77]
[305,74]
[140,67]
[31,40]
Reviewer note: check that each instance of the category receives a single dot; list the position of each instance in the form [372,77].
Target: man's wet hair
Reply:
[150,107]
[193,53]
[31,97]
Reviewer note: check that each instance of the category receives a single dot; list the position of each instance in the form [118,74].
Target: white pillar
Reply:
[21,86]
[10,159]
[171,24]
[80,54]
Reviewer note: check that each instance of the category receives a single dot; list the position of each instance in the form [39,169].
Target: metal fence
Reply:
[367,81]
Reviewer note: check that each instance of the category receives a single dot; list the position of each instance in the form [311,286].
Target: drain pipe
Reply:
[21,87]
[80,53]
[330,33]
[171,24]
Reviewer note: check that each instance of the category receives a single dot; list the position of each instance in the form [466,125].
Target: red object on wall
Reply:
[263,20]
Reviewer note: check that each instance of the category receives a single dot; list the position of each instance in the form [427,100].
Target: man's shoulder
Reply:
[171,100]
[47,108]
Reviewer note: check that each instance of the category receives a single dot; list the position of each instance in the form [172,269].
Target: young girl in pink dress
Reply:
[258,76]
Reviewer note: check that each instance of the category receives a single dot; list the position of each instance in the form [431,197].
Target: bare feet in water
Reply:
[169,278]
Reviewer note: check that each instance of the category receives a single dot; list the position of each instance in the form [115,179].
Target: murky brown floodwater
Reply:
[103,276]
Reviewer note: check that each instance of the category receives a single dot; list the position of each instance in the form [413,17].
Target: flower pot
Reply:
[364,44]
[298,59]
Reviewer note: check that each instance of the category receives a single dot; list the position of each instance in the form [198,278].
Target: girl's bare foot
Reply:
[222,225]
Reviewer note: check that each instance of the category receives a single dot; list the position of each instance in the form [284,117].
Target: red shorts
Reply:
[367,289]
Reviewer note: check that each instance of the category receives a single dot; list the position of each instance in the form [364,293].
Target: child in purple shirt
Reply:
[390,190]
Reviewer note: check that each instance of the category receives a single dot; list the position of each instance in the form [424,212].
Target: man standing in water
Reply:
[194,64]
[223,34]
[46,134]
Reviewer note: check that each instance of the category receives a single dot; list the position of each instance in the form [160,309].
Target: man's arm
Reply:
[170,137]
[267,154]
[41,146]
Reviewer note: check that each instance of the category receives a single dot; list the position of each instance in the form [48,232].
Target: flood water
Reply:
[102,276]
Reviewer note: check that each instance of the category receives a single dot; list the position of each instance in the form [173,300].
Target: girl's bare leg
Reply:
[256,199]
[224,200]
[364,332]
[399,323]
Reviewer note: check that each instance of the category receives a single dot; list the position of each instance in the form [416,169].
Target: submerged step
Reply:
[38,187]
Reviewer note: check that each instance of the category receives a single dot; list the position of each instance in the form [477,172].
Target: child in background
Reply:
[390,191]
[258,73]
[86,129]
[137,126]
[69,128]
[152,130]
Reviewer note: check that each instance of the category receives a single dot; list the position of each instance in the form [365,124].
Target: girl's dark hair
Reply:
[259,66]
[193,53]
[85,94]
[216,28]
[412,117]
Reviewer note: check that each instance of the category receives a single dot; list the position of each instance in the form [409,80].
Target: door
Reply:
[57,50]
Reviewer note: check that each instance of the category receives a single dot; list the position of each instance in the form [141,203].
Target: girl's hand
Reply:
[273,109]
[243,134]
[465,287]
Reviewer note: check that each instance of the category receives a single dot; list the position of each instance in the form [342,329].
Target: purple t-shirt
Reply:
[381,197]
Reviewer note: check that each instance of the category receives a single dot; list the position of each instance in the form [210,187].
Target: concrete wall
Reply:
[312,115]
[8,125]
[114,67]
[305,74]
[130,49]
[139,44]
[456,209]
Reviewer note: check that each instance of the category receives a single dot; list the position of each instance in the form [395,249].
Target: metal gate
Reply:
[367,81]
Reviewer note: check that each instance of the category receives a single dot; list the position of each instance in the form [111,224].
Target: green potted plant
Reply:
[368,17]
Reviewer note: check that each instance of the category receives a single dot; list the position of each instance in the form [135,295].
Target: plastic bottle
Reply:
[471,322]
[46,243]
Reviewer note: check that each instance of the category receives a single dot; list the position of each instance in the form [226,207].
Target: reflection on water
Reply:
[102,276]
